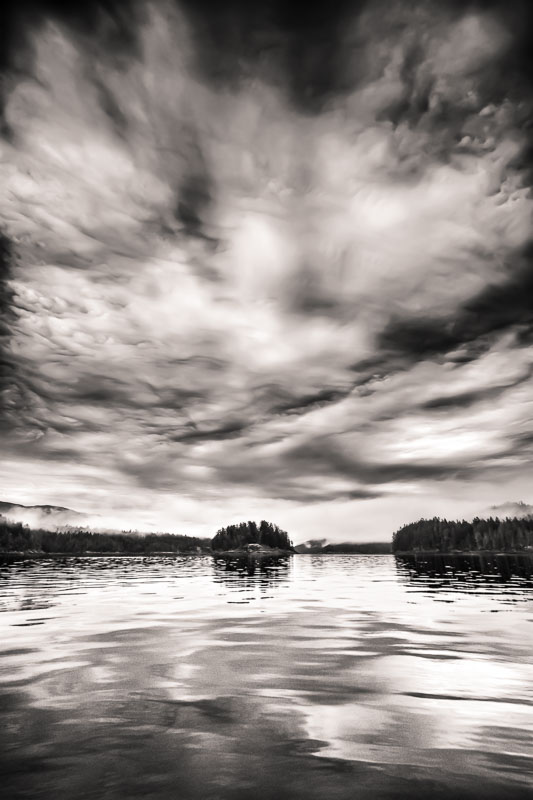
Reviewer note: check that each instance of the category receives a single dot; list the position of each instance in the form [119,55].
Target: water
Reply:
[311,677]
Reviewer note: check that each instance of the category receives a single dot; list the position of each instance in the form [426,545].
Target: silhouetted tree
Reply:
[235,537]
[16,537]
[444,536]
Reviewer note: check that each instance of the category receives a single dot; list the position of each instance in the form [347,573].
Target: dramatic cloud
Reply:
[253,262]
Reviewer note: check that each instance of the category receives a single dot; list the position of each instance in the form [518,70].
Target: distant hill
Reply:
[322,546]
[311,546]
[512,509]
[48,516]
[359,547]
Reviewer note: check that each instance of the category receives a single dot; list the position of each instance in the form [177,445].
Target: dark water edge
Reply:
[465,553]
[194,677]
[37,554]
[477,565]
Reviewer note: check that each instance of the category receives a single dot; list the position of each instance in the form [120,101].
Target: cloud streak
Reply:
[275,260]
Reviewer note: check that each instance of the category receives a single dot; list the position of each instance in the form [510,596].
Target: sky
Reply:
[264,264]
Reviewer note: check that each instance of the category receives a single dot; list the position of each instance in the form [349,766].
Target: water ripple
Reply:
[307,677]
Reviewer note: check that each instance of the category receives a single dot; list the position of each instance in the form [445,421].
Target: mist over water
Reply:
[305,677]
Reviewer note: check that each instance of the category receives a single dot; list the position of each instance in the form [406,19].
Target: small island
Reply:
[492,535]
[252,540]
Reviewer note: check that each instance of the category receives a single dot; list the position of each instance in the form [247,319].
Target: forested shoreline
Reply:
[18,538]
[436,535]
[509,535]
[15,537]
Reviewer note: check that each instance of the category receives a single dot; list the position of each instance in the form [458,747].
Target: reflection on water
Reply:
[268,568]
[479,570]
[507,577]
[306,677]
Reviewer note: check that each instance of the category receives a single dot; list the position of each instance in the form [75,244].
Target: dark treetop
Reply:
[19,538]
[236,537]
[441,535]
[16,537]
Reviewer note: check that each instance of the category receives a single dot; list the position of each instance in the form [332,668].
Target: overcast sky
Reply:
[266,266]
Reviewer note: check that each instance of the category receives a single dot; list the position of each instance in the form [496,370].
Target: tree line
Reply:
[16,537]
[235,537]
[444,536]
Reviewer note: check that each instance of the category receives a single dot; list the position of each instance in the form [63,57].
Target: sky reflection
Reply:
[314,677]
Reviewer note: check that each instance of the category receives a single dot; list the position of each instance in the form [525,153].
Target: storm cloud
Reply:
[255,261]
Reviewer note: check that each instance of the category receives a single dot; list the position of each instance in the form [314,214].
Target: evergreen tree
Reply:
[235,537]
[16,537]
[509,534]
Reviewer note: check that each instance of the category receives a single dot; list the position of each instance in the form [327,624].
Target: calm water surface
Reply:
[312,677]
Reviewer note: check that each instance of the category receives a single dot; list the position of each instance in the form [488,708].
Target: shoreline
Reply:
[273,553]
[41,554]
[112,554]
[469,553]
